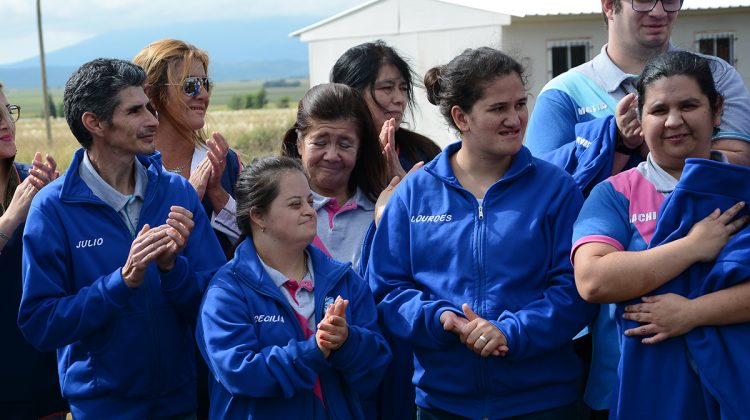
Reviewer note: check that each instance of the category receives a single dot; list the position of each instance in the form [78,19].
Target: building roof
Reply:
[556,7]
[533,8]
[337,16]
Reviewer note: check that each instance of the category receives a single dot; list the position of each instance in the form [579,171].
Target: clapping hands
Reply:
[333,330]
[206,179]
[160,244]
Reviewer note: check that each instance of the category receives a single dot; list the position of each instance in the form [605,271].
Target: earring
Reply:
[263,229]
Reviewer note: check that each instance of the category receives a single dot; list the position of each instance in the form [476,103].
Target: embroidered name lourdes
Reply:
[268,318]
[88,243]
[423,218]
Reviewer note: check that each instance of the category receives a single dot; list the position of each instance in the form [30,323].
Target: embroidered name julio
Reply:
[88,243]
[424,218]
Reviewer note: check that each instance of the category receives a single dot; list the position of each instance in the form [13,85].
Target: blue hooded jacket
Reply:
[436,247]
[589,158]
[113,341]
[702,374]
[263,366]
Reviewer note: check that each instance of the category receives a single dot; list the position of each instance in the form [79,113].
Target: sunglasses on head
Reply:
[192,85]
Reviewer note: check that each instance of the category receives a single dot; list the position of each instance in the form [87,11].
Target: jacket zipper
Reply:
[479,309]
[152,187]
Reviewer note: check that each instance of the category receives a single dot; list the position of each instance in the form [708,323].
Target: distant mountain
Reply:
[239,50]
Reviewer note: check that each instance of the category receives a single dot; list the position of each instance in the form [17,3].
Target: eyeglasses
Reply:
[192,85]
[14,111]
[648,5]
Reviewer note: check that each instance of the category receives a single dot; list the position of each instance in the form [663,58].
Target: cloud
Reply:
[67,22]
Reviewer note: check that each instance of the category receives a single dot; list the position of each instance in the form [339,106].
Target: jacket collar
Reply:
[74,189]
[247,264]
[612,76]
[359,197]
[442,169]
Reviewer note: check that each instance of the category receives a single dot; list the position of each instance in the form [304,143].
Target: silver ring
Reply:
[483,338]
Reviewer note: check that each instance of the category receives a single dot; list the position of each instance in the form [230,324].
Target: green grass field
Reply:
[250,132]
[225,90]
[31,100]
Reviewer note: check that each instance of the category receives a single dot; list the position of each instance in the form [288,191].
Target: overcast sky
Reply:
[67,22]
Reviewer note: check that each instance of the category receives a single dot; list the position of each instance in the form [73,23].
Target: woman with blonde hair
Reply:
[179,88]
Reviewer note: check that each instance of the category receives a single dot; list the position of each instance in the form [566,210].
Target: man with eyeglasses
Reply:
[637,31]
[117,255]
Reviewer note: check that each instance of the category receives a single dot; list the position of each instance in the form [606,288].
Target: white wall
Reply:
[527,39]
[430,33]
[440,33]
[690,23]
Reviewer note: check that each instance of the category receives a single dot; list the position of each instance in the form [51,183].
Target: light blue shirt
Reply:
[128,207]
[304,301]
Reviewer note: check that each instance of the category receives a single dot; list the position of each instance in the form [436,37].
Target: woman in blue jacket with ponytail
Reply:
[470,259]
[286,331]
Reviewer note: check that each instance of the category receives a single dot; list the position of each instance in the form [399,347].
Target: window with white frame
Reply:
[566,54]
[719,44]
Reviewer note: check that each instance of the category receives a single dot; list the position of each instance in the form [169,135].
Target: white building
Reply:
[549,36]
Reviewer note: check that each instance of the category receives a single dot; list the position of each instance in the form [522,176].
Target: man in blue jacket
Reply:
[637,31]
[117,253]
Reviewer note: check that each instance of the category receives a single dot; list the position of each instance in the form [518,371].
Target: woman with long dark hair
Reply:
[30,386]
[643,241]
[386,81]
[337,142]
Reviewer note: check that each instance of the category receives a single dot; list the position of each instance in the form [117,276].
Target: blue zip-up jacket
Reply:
[589,158]
[395,397]
[702,374]
[113,341]
[436,247]
[263,366]
[29,376]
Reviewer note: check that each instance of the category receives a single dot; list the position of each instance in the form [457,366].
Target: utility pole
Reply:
[44,71]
